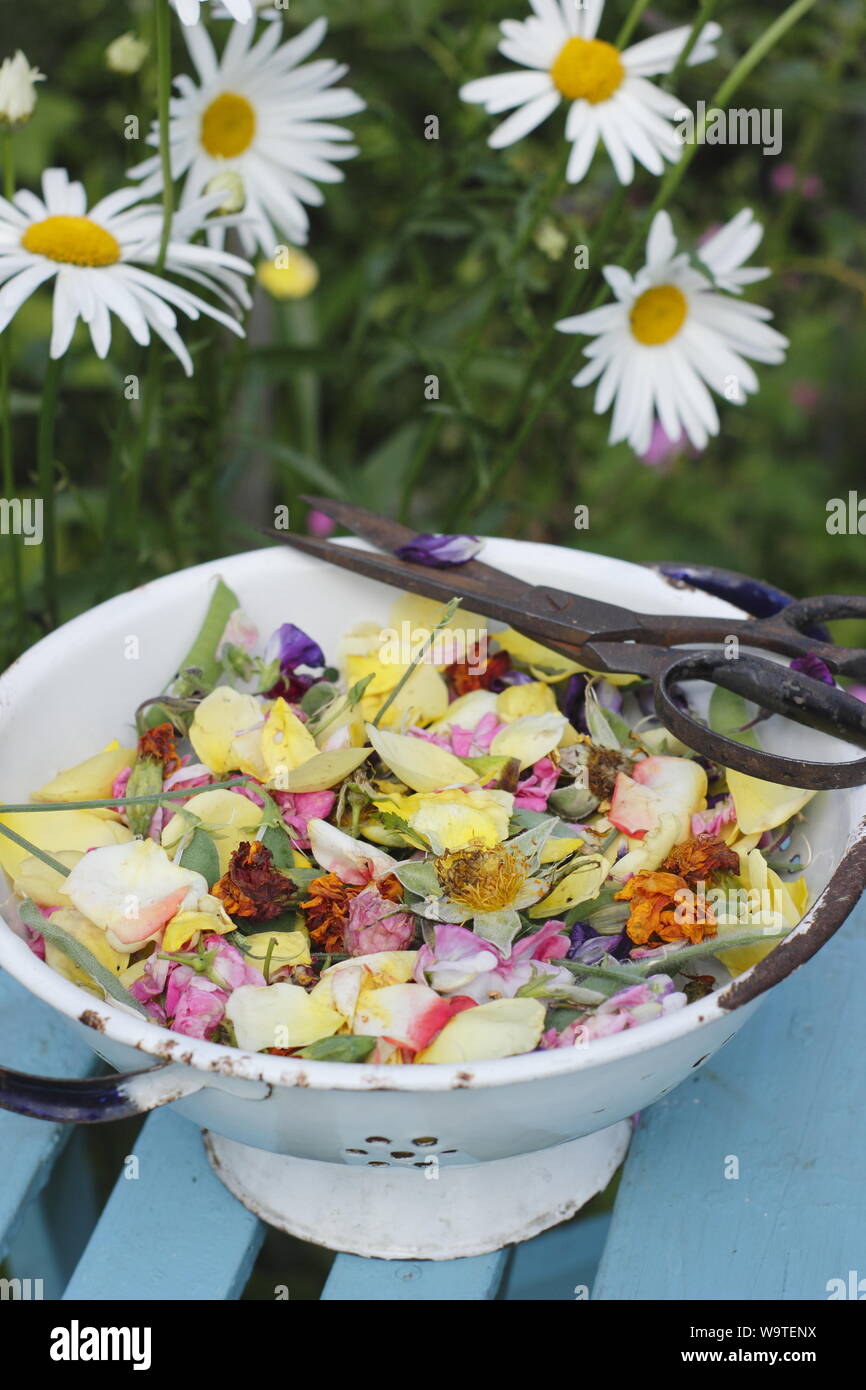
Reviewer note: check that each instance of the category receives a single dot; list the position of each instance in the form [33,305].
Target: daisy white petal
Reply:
[99,260]
[658,55]
[606,90]
[260,113]
[671,338]
[189,11]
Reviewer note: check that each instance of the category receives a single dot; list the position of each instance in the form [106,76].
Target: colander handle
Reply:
[96,1099]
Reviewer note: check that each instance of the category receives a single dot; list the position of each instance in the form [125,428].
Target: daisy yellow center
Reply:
[587,68]
[72,240]
[484,880]
[658,315]
[228,126]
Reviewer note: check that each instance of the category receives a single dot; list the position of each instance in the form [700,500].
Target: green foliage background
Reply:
[430,264]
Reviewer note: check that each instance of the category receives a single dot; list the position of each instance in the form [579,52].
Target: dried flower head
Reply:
[664,907]
[158,743]
[484,880]
[701,856]
[251,886]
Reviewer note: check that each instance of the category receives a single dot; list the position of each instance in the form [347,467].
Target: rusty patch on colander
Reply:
[839,897]
[91,1019]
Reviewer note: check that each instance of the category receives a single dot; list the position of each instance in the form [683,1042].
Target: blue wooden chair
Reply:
[744,1183]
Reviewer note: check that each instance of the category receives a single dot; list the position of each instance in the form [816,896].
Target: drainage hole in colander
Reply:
[425,1141]
[376,1139]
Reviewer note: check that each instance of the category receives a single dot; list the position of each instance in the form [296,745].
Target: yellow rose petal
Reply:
[43,884]
[280,1015]
[226,733]
[516,701]
[421,765]
[503,1028]
[230,817]
[763,805]
[286,741]
[57,830]
[90,936]
[582,883]
[91,780]
[529,738]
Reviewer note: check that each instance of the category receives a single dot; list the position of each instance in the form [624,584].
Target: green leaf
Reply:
[348,1048]
[419,876]
[201,856]
[606,729]
[202,653]
[392,821]
[728,714]
[318,695]
[78,954]
[280,846]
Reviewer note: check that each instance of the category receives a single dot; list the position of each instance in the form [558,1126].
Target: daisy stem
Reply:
[163,99]
[741,70]
[6,406]
[45,468]
[705,13]
[630,22]
[540,206]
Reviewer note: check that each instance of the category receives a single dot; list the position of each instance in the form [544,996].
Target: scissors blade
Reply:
[418,579]
[553,616]
[390,535]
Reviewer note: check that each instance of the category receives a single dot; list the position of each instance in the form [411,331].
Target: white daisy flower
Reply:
[670,335]
[99,259]
[189,10]
[255,113]
[610,98]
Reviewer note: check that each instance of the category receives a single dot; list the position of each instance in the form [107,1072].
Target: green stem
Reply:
[163,100]
[151,384]
[33,850]
[107,802]
[447,614]
[8,466]
[428,439]
[705,13]
[630,22]
[45,470]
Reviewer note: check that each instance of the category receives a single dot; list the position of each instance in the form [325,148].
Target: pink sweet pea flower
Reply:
[713,820]
[533,791]
[462,963]
[298,808]
[181,996]
[627,1008]
[464,743]
[376,924]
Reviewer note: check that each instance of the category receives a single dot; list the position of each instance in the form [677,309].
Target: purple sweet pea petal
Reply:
[439,552]
[812,665]
[291,647]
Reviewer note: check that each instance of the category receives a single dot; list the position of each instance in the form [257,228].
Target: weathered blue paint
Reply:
[353,1279]
[34,1037]
[170,1230]
[785,1100]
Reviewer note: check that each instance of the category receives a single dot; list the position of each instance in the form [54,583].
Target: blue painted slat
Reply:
[354,1279]
[56,1227]
[33,1038]
[172,1232]
[785,1100]
[560,1265]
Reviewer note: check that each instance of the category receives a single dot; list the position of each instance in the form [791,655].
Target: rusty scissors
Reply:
[607,638]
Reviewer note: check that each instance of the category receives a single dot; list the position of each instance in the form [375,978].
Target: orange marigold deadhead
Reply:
[327,907]
[158,743]
[475,674]
[664,907]
[701,856]
[251,886]
[326,910]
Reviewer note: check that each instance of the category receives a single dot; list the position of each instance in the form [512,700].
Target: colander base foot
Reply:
[433,1214]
